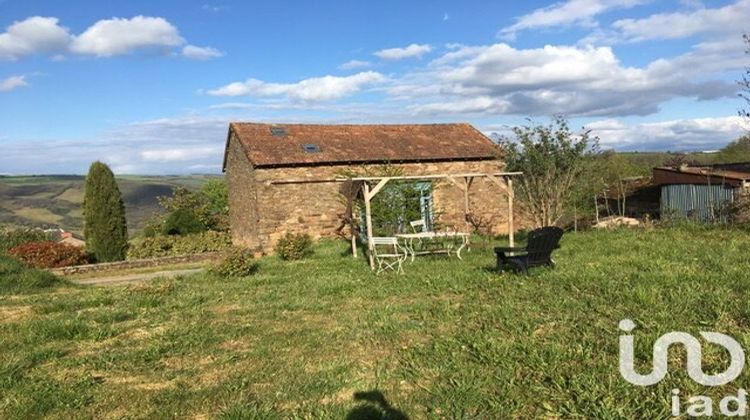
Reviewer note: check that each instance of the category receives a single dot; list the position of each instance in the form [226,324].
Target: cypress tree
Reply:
[105,228]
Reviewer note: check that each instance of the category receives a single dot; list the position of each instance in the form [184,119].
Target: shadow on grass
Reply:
[374,406]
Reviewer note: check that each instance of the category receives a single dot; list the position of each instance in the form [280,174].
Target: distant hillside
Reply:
[55,200]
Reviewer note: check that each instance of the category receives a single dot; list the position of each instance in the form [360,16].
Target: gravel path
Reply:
[134,278]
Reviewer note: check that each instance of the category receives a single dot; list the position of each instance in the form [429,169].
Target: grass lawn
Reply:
[325,338]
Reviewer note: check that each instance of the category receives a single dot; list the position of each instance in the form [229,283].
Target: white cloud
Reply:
[731,20]
[118,36]
[676,135]
[567,13]
[164,146]
[412,50]
[579,81]
[33,35]
[354,64]
[213,8]
[313,89]
[200,53]
[105,38]
[180,154]
[480,104]
[13,82]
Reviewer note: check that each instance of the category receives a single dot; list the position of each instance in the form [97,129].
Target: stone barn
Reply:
[288,177]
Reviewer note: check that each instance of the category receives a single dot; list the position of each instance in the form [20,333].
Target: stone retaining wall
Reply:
[133,264]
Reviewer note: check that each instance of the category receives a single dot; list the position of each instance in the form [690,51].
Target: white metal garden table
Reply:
[447,242]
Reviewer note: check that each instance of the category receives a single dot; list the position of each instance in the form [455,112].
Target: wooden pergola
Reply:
[462,180]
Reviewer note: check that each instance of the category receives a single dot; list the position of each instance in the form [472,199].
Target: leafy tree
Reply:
[745,82]
[217,203]
[736,151]
[217,195]
[182,198]
[183,221]
[210,204]
[105,227]
[553,161]
[675,160]
[616,170]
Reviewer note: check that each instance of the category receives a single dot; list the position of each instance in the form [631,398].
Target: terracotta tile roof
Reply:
[339,144]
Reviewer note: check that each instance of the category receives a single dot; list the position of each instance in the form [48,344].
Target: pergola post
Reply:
[368,223]
[509,183]
[369,194]
[467,184]
[353,230]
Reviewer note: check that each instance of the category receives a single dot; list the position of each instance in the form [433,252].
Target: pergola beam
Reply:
[435,176]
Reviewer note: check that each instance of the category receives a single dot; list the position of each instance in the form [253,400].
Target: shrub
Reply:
[294,246]
[167,246]
[236,262]
[48,254]
[183,222]
[15,277]
[11,238]
[105,228]
[199,243]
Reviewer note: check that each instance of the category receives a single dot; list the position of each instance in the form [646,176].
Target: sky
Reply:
[149,87]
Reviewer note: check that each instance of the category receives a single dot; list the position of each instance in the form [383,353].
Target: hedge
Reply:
[174,245]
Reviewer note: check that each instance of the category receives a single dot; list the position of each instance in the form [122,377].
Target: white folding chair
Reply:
[388,254]
[418,224]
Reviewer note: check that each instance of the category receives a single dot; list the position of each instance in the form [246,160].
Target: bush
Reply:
[294,246]
[183,222]
[167,246]
[15,277]
[48,254]
[11,238]
[237,262]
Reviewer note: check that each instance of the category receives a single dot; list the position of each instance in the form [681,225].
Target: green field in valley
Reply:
[51,201]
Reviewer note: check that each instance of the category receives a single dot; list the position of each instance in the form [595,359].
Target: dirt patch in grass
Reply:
[236,345]
[142,333]
[139,382]
[342,396]
[226,309]
[11,314]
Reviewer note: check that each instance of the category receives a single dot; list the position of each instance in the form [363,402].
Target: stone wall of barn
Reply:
[243,213]
[261,211]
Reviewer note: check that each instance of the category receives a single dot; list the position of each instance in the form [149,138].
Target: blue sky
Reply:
[149,87]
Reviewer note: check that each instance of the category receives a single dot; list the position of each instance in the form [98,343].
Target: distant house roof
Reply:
[699,175]
[268,145]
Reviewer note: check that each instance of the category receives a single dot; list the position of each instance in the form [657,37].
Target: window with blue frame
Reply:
[425,204]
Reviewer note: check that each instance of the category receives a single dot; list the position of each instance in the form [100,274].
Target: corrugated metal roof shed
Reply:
[705,203]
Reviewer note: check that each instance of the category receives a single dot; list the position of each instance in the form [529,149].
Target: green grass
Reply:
[326,338]
[15,278]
